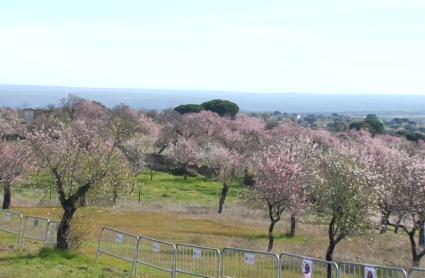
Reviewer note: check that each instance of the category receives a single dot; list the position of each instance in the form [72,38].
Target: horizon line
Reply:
[211,90]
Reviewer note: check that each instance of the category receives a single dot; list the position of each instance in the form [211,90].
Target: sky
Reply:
[326,46]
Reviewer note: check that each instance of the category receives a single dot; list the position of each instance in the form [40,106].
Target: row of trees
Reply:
[346,179]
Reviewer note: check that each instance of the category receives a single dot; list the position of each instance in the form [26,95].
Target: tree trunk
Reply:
[331,246]
[271,238]
[83,201]
[140,196]
[115,195]
[65,227]
[7,196]
[384,223]
[293,226]
[415,257]
[185,172]
[422,236]
[223,197]
[397,226]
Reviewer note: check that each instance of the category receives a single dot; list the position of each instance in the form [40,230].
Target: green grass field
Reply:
[179,211]
[195,190]
[164,188]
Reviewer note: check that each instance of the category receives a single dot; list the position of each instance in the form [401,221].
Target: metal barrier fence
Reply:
[11,222]
[240,263]
[156,254]
[118,244]
[52,232]
[198,261]
[295,266]
[417,272]
[354,270]
[35,228]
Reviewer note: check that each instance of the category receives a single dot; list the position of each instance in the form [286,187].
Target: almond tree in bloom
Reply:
[225,164]
[15,161]
[11,127]
[242,134]
[132,133]
[290,131]
[386,163]
[78,159]
[184,153]
[15,155]
[412,205]
[92,112]
[176,126]
[281,178]
[342,195]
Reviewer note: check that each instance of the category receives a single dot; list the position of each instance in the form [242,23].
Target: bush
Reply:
[79,233]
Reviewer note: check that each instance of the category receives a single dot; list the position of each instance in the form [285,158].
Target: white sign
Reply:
[197,253]
[156,247]
[369,272]
[307,268]
[249,258]
[6,216]
[119,238]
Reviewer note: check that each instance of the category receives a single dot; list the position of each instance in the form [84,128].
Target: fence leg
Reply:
[98,245]
[20,232]
[173,272]
[23,236]
[136,256]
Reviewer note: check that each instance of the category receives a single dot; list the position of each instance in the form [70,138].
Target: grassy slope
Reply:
[195,223]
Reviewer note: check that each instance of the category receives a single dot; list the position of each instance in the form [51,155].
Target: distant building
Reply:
[28,115]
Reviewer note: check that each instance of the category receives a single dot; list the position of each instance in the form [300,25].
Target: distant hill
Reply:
[41,96]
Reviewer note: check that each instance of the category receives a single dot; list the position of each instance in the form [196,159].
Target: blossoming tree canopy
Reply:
[79,159]
[281,178]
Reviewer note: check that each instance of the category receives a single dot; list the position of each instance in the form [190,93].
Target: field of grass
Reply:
[164,188]
[195,190]
[181,211]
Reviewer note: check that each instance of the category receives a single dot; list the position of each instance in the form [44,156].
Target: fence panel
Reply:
[355,270]
[156,254]
[118,244]
[11,222]
[35,228]
[52,232]
[417,272]
[295,266]
[240,263]
[198,261]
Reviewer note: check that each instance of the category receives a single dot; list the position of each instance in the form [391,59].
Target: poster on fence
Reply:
[119,238]
[197,253]
[369,272]
[249,258]
[6,217]
[156,247]
[307,268]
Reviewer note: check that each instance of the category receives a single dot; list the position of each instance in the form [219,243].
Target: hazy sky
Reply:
[324,46]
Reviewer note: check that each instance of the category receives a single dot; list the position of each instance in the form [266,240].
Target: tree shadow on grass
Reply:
[283,237]
[44,253]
